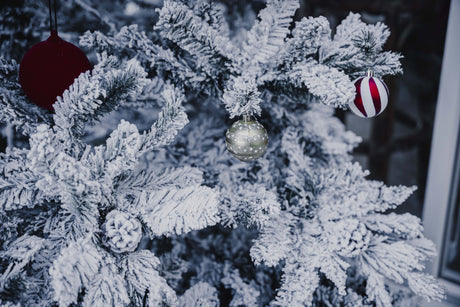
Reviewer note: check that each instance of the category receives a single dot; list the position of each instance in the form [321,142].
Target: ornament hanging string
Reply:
[53,8]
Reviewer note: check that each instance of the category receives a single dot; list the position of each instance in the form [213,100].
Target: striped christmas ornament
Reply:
[371,96]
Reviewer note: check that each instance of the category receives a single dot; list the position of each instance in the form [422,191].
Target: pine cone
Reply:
[122,231]
[348,237]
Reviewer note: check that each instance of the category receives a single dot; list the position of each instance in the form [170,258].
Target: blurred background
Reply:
[396,147]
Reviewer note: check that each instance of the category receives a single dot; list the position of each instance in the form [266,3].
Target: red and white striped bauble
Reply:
[371,96]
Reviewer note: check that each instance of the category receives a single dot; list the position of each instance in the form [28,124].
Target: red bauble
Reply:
[49,68]
[371,97]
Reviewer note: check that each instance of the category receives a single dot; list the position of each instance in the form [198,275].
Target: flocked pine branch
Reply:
[19,254]
[308,36]
[311,54]
[209,47]
[331,86]
[274,242]
[151,96]
[65,179]
[211,52]
[17,187]
[122,150]
[152,179]
[298,285]
[332,237]
[251,205]
[130,40]
[107,288]
[81,181]
[74,269]
[97,92]
[200,294]
[357,47]
[16,109]
[171,119]
[268,33]
[144,280]
[242,98]
[332,241]
[400,261]
[213,13]
[244,294]
[178,211]
[310,129]
[399,226]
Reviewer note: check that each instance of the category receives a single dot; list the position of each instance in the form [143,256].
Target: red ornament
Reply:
[49,68]
[371,96]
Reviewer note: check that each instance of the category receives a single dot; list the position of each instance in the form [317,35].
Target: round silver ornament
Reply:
[246,139]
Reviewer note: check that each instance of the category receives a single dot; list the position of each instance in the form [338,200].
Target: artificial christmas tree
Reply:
[167,216]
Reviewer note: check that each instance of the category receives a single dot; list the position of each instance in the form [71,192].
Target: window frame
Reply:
[444,167]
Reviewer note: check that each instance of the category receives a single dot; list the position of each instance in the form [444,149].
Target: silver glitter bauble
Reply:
[246,139]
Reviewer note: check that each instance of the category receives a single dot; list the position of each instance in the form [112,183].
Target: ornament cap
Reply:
[370,73]
[54,37]
[247,118]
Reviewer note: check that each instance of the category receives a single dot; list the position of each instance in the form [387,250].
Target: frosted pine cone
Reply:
[348,237]
[122,231]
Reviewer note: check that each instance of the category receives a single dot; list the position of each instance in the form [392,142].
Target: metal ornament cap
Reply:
[246,139]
